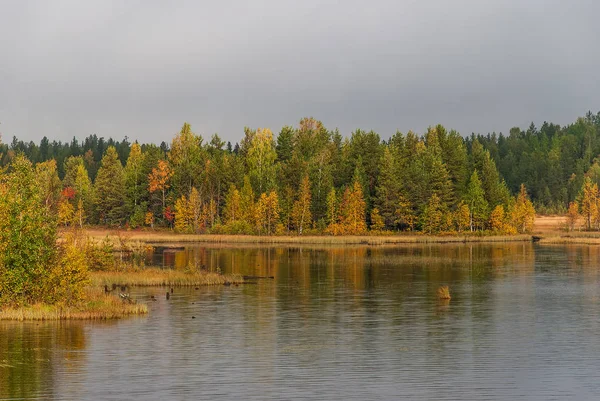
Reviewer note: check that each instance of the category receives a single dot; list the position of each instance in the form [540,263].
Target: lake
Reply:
[335,323]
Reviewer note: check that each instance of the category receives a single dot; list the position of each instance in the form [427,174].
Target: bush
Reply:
[100,257]
[27,237]
[68,278]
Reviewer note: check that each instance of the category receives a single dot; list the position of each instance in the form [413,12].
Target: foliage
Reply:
[27,236]
[572,216]
[314,173]
[523,212]
[108,189]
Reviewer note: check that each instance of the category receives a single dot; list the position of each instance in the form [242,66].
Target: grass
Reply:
[165,236]
[97,306]
[153,277]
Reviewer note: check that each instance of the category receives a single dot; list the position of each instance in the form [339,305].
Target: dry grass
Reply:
[97,306]
[443,292]
[152,277]
[549,225]
[164,236]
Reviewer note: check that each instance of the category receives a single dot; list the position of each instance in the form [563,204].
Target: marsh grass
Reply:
[443,292]
[153,277]
[163,236]
[96,306]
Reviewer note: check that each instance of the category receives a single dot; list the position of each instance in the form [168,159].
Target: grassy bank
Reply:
[96,306]
[152,277]
[166,236]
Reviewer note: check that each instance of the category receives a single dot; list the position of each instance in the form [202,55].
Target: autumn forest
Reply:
[311,180]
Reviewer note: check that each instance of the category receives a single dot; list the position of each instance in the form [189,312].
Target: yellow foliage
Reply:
[572,215]
[523,213]
[377,223]
[66,213]
[463,217]
[497,219]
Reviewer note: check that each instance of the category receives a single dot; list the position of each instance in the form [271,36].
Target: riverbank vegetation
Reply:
[307,180]
[155,277]
[47,277]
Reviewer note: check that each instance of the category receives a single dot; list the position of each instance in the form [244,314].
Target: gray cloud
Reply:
[141,68]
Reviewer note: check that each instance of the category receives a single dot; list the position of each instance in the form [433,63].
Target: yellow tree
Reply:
[405,215]
[158,179]
[353,210]
[267,212]
[49,183]
[523,212]
[572,215]
[497,219]
[301,215]
[432,215]
[377,223]
[332,216]
[247,202]
[232,212]
[589,202]
[181,214]
[462,217]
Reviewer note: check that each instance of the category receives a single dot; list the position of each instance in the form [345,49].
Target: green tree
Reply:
[475,200]
[187,158]
[388,188]
[108,189]
[261,161]
[27,236]
[136,182]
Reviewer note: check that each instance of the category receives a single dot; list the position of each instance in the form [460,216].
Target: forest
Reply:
[308,179]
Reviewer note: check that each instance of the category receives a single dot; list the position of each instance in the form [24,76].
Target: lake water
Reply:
[352,323]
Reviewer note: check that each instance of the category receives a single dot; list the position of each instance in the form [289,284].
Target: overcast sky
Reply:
[141,68]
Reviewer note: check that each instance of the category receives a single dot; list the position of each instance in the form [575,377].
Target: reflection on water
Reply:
[335,323]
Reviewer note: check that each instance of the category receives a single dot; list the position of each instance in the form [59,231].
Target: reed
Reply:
[443,292]
[163,236]
[96,306]
[153,277]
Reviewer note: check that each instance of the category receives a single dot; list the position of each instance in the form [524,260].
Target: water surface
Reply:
[334,323]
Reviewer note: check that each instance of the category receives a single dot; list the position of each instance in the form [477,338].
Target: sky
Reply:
[140,68]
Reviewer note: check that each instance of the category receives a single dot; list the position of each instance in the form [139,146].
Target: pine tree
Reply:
[135,180]
[377,223]
[404,215]
[475,199]
[388,188]
[109,194]
[431,220]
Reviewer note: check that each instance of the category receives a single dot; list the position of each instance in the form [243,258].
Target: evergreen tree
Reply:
[475,200]
[108,189]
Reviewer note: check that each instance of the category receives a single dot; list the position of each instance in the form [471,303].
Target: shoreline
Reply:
[107,303]
[167,236]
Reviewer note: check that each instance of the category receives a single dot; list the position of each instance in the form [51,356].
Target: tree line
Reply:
[305,180]
[552,161]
